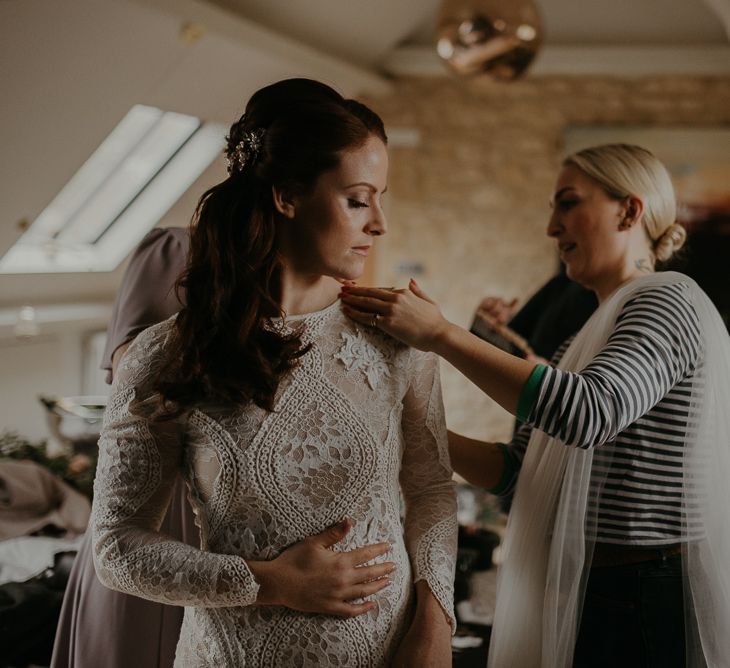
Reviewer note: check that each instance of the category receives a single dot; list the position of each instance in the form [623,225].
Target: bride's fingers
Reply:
[361,574]
[342,609]
[366,589]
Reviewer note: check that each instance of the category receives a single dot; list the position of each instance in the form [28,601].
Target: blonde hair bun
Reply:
[669,242]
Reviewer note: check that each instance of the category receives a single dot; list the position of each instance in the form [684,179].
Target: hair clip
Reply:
[246,151]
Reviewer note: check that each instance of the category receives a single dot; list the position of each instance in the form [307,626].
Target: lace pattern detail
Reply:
[332,448]
[431,559]
[359,354]
[137,467]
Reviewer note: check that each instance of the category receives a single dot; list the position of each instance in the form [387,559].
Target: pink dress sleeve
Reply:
[147,293]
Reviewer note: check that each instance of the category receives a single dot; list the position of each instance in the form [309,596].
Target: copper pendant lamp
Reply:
[497,38]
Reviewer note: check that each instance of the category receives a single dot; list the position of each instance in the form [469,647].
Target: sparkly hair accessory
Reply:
[246,151]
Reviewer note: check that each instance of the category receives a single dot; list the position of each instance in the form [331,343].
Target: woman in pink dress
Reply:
[96,621]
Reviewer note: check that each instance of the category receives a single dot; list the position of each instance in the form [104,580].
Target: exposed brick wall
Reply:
[470,202]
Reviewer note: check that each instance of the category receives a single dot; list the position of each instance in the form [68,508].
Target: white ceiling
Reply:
[70,70]
[362,31]
[366,31]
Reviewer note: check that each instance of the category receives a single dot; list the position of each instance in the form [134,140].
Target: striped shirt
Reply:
[632,401]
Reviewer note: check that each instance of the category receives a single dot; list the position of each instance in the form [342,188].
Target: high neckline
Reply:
[304,316]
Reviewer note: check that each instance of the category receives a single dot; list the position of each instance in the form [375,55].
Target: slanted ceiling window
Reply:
[122,191]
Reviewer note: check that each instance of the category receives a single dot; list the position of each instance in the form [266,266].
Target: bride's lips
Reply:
[361,250]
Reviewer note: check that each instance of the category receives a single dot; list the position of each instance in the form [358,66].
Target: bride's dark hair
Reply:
[222,348]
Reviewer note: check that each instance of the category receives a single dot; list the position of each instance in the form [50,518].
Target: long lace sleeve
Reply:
[426,482]
[138,461]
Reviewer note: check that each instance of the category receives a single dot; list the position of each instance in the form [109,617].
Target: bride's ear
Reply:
[284,201]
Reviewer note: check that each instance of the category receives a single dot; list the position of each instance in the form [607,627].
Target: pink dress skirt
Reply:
[98,626]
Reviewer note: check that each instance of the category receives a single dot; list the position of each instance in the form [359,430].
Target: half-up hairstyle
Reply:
[224,348]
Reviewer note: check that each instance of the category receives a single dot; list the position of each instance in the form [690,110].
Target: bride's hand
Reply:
[409,315]
[311,577]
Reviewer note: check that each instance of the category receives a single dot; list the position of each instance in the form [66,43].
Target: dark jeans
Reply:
[633,617]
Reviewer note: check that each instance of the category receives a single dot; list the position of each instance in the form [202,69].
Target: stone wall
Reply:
[469,202]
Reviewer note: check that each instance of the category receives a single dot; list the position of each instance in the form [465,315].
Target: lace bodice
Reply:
[357,428]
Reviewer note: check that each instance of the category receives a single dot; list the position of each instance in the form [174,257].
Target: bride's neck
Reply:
[303,293]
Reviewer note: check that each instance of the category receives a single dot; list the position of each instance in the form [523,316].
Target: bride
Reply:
[286,418]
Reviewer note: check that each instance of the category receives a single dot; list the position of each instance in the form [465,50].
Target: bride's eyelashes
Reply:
[356,203]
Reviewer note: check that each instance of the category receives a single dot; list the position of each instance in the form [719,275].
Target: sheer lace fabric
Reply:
[359,422]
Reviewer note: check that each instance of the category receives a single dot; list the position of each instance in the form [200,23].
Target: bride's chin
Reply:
[346,274]
[352,270]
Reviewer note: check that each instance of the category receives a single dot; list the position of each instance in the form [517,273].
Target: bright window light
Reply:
[122,191]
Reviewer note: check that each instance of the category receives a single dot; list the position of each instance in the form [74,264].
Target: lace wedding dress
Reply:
[357,426]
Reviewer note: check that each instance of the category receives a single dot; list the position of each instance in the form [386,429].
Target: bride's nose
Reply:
[377,225]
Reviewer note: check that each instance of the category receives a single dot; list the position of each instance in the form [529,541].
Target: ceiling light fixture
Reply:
[496,38]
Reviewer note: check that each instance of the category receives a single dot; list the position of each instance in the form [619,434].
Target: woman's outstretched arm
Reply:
[409,315]
[480,463]
[493,466]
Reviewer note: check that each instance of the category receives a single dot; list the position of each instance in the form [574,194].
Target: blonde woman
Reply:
[621,470]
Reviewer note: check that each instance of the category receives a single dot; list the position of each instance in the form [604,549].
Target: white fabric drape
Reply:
[551,533]
[707,562]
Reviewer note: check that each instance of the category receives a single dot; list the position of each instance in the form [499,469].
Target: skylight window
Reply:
[121,192]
